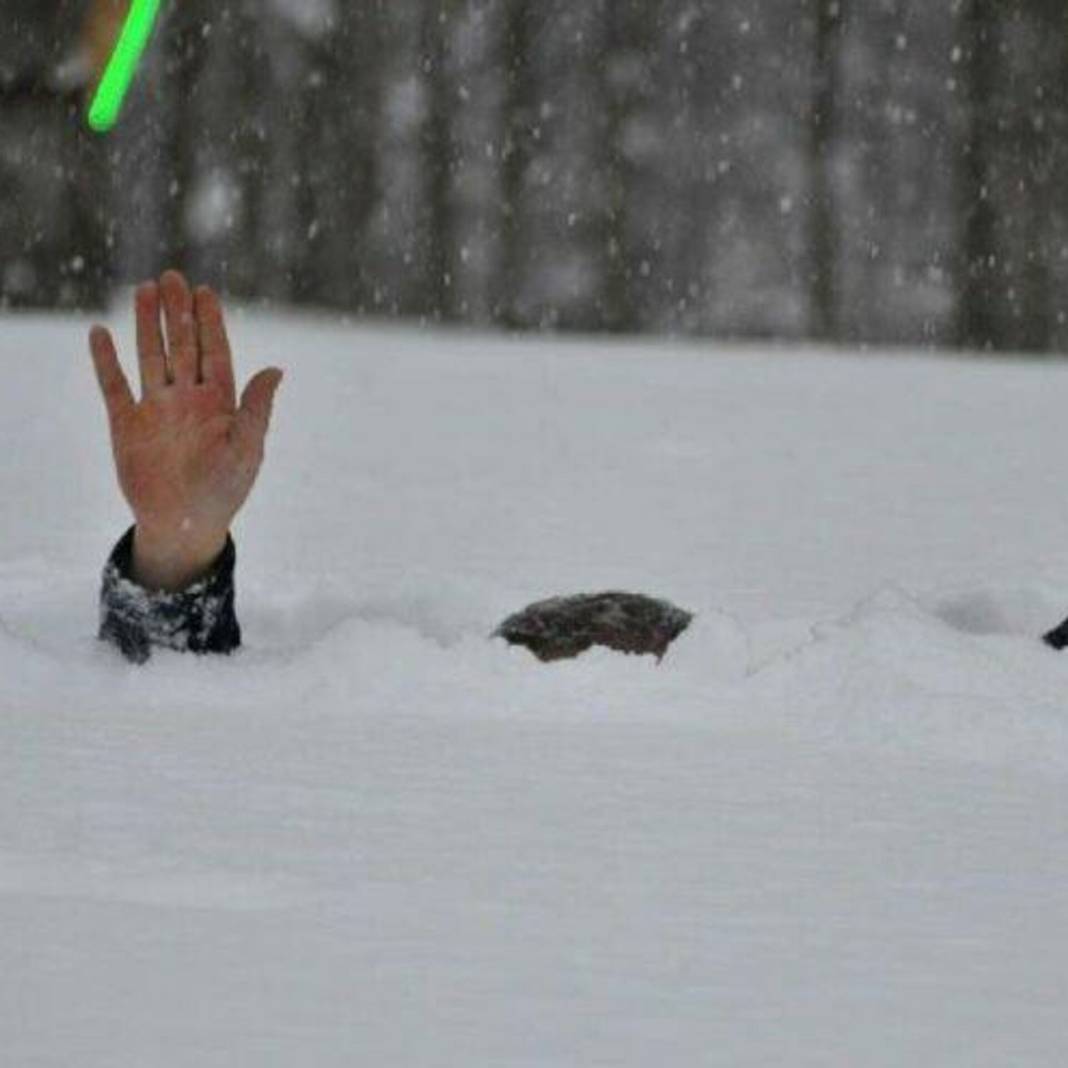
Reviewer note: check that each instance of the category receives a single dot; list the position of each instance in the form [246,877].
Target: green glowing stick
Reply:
[122,66]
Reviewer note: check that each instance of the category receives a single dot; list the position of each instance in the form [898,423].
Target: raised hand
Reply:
[187,454]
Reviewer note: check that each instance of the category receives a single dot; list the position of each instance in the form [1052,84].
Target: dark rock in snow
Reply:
[564,627]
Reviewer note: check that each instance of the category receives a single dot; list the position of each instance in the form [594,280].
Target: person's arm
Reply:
[187,456]
[200,619]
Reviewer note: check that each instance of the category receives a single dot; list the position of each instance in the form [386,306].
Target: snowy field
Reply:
[830,829]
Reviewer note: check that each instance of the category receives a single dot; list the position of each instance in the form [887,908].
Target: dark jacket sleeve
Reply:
[200,619]
[1058,637]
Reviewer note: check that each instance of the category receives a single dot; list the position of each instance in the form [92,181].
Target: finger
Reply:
[113,385]
[216,362]
[182,351]
[151,357]
[257,403]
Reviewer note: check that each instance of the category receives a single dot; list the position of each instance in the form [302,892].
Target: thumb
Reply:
[257,402]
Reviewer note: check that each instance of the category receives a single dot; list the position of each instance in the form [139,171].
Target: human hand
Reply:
[187,455]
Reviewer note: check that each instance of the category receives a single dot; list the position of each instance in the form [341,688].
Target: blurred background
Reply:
[863,171]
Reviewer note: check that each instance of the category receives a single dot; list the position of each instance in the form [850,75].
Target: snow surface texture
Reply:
[828,830]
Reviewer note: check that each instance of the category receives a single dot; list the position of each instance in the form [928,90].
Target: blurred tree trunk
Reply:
[1035,332]
[979,293]
[624,62]
[187,47]
[1059,180]
[310,280]
[92,235]
[697,56]
[1041,139]
[94,226]
[438,160]
[256,98]
[518,115]
[355,76]
[823,238]
[337,150]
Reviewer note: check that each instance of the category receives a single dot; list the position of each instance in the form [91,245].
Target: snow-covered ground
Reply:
[830,829]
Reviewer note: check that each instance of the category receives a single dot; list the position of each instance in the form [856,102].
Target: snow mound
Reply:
[964,675]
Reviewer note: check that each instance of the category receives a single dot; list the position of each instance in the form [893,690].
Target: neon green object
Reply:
[121,68]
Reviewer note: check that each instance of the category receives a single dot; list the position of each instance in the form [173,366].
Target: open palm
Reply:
[187,454]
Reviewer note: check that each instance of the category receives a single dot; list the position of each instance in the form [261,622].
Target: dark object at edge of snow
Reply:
[564,627]
[1058,637]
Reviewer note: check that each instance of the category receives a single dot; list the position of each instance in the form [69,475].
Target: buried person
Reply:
[187,455]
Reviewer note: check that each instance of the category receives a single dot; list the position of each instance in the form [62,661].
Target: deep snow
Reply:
[829,830]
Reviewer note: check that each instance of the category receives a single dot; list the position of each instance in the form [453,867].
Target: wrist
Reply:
[172,560]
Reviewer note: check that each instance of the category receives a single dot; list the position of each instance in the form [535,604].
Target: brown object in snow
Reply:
[564,627]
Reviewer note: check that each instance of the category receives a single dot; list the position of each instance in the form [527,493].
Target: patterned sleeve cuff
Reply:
[200,619]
